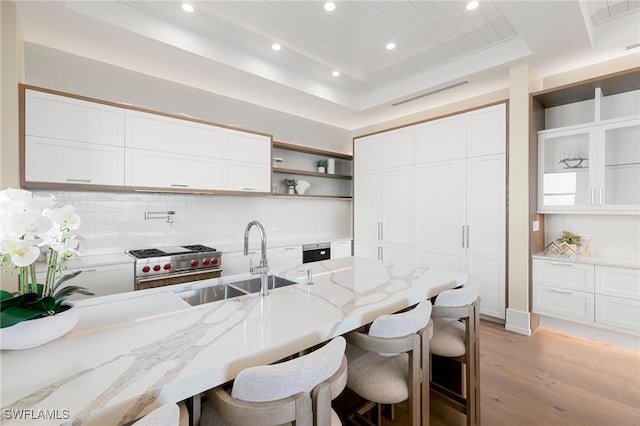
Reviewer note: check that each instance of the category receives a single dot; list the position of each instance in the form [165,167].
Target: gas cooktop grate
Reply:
[154,252]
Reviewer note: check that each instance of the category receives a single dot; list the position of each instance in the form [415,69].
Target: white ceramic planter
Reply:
[36,332]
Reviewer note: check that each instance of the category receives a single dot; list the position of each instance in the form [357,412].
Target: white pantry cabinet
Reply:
[86,139]
[383,196]
[246,161]
[460,200]
[435,194]
[593,294]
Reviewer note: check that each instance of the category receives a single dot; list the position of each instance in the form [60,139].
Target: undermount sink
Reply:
[252,285]
[215,293]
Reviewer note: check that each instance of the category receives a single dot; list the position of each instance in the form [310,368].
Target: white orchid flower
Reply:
[22,252]
[12,195]
[26,226]
[65,216]
[66,248]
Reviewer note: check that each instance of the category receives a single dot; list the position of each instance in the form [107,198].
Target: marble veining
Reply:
[115,370]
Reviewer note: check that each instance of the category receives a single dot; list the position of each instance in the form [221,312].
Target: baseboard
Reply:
[518,322]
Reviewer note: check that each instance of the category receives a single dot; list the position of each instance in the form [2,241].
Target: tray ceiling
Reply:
[439,44]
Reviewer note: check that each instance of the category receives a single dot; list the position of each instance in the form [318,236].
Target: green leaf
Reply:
[4,294]
[63,279]
[20,300]
[15,314]
[64,293]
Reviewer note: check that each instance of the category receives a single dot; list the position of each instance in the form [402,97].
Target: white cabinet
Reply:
[593,294]
[282,258]
[101,280]
[170,170]
[86,139]
[71,162]
[439,201]
[383,197]
[617,297]
[168,152]
[460,200]
[340,249]
[592,167]
[460,223]
[246,161]
[156,132]
[384,150]
[472,134]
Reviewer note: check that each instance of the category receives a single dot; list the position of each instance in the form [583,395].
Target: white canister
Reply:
[331,166]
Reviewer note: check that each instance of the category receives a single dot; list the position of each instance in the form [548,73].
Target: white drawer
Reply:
[562,303]
[573,276]
[621,282]
[618,312]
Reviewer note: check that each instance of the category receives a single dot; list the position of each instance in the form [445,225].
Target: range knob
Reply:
[194,263]
[167,266]
[145,269]
[214,261]
[156,268]
[205,261]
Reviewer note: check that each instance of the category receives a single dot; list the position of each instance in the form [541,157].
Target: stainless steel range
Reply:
[158,267]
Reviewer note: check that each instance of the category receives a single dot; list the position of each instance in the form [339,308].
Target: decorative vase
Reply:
[331,166]
[321,169]
[292,190]
[36,332]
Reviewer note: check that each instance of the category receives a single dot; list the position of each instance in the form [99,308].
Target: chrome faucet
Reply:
[263,269]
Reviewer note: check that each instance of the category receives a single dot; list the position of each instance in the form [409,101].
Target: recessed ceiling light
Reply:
[187,7]
[276,46]
[391,46]
[336,73]
[329,6]
[472,5]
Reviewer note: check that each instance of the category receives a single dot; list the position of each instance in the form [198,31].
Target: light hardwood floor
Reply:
[549,379]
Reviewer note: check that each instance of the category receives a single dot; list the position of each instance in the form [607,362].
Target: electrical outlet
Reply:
[536,225]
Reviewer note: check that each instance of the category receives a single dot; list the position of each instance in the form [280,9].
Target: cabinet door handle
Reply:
[289,248]
[561,291]
[179,185]
[248,189]
[378,230]
[79,180]
[462,241]
[467,236]
[600,195]
[592,192]
[381,253]
[569,265]
[381,231]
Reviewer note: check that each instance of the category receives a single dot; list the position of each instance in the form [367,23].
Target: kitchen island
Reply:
[135,351]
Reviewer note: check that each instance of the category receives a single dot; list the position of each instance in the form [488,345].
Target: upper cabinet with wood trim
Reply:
[246,161]
[106,146]
[71,141]
[168,152]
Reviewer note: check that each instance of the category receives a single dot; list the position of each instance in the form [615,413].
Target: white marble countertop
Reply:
[619,262]
[132,352]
